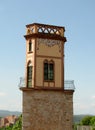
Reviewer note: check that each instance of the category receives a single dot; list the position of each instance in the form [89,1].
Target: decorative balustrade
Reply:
[43,28]
[68,84]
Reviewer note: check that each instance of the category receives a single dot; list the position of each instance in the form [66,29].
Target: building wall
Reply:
[46,50]
[85,127]
[51,50]
[47,110]
[40,73]
[42,50]
[30,57]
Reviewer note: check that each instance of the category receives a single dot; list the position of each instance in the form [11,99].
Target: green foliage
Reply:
[93,128]
[75,126]
[86,120]
[18,124]
[92,121]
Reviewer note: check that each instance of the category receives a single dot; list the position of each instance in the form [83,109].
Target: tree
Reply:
[18,124]
[92,121]
[93,128]
[86,120]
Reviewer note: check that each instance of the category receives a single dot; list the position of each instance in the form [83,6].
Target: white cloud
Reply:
[93,104]
[93,97]
[2,94]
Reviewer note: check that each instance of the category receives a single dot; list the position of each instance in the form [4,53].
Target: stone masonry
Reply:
[47,110]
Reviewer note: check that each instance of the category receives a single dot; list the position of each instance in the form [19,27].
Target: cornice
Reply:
[47,89]
[45,36]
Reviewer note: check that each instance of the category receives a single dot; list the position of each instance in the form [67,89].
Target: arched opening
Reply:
[29,74]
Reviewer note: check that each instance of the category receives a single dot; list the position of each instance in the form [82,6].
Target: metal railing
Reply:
[68,84]
[22,82]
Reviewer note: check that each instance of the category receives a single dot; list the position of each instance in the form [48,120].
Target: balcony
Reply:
[68,84]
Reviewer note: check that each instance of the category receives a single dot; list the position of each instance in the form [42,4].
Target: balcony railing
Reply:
[68,84]
[46,29]
[22,82]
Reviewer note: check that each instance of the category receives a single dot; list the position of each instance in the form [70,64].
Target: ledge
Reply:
[46,89]
[29,52]
[46,36]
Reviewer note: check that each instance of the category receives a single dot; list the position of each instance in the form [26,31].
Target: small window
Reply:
[48,71]
[30,46]
[29,75]
[45,71]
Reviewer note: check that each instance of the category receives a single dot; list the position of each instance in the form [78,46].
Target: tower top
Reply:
[45,31]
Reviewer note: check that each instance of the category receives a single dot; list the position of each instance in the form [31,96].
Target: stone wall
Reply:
[47,110]
[85,127]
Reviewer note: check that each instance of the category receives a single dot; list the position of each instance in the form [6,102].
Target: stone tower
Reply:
[47,98]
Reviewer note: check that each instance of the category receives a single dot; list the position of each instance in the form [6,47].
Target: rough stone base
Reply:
[47,110]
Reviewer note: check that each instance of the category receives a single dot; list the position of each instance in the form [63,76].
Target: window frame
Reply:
[48,70]
[29,74]
[30,46]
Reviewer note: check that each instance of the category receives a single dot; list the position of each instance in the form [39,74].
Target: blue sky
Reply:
[78,18]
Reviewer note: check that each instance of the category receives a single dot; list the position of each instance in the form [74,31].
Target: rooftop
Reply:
[37,29]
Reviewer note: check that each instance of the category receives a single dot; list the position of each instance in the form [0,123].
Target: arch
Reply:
[51,61]
[29,63]
[45,61]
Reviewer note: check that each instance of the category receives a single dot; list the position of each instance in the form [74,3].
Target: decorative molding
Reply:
[49,43]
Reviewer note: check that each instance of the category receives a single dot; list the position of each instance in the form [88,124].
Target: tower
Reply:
[47,102]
